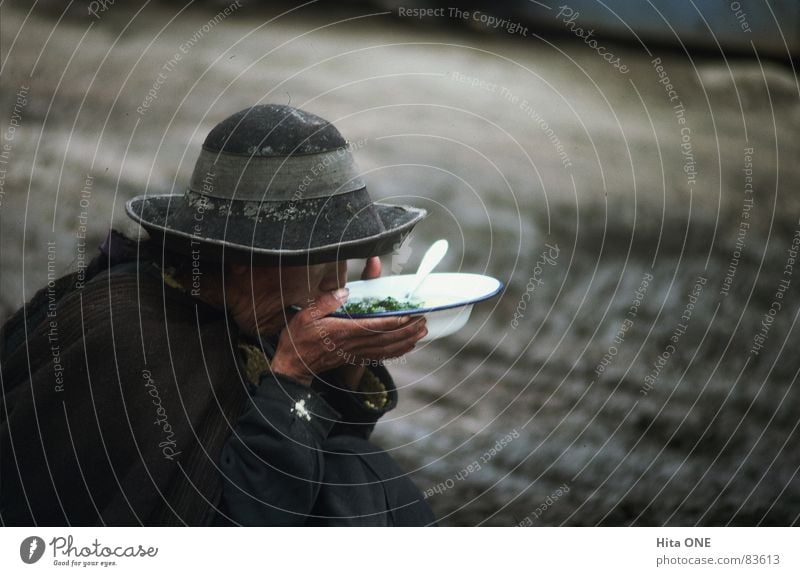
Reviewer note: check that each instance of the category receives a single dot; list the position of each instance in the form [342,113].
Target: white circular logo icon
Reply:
[31,549]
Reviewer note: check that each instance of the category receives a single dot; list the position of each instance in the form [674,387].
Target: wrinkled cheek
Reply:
[297,296]
[297,289]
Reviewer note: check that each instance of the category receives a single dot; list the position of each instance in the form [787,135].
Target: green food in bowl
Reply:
[375,305]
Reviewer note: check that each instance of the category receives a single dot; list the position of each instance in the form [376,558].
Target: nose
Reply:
[335,276]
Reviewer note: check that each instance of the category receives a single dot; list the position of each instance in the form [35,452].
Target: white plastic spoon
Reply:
[431,259]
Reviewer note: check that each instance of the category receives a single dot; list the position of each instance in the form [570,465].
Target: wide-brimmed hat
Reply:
[275,185]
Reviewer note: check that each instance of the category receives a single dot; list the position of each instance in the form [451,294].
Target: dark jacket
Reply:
[127,402]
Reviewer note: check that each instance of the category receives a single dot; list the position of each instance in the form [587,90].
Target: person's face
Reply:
[303,283]
[258,296]
[295,285]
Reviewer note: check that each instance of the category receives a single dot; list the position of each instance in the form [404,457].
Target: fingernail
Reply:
[342,294]
[402,319]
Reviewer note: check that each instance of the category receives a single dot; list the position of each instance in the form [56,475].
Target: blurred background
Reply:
[630,172]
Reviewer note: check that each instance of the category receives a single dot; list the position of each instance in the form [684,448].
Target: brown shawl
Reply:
[128,390]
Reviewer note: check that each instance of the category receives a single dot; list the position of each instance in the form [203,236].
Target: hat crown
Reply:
[273,130]
[274,185]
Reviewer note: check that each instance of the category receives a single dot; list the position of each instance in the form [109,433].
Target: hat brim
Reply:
[221,238]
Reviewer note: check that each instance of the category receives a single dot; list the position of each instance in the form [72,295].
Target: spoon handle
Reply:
[431,259]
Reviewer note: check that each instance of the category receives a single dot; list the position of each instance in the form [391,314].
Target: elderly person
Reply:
[195,377]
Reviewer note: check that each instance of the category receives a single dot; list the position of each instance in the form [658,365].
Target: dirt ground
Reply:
[643,223]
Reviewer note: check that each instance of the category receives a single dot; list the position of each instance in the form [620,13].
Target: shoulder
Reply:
[140,288]
[131,304]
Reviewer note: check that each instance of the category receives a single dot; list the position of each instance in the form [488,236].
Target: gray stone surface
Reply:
[512,143]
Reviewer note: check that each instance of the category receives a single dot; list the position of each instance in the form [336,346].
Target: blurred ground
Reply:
[513,143]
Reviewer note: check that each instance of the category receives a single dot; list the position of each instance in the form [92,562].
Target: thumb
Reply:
[372,268]
[330,301]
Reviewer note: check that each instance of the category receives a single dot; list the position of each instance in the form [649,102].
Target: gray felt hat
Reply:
[275,185]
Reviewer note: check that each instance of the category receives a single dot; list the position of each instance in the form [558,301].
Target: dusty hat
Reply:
[275,185]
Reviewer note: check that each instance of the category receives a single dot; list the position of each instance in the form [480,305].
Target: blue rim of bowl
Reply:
[419,311]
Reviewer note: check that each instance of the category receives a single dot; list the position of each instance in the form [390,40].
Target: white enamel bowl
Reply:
[447,298]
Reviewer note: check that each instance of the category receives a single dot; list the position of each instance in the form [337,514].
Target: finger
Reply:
[393,351]
[327,303]
[380,341]
[358,327]
[382,332]
[372,268]
[359,332]
[389,323]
